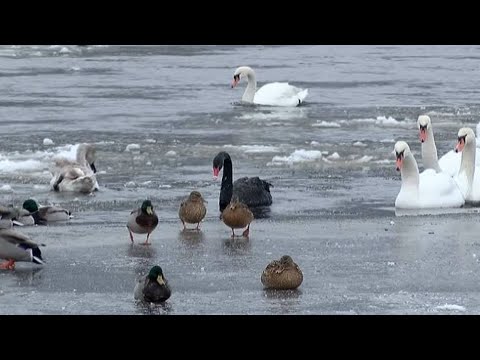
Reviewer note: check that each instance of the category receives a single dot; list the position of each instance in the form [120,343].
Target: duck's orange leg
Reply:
[8,265]
[247,231]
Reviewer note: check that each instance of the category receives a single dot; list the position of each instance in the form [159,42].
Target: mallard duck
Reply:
[192,210]
[15,246]
[76,176]
[153,287]
[282,274]
[142,221]
[237,216]
[21,215]
[45,214]
[6,224]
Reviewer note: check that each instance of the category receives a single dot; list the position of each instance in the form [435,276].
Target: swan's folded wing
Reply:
[280,94]
[254,182]
[439,190]
[253,191]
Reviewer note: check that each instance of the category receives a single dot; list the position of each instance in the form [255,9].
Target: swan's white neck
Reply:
[410,176]
[82,156]
[249,93]
[468,162]
[429,152]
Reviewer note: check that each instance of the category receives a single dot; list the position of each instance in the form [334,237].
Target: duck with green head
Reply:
[13,213]
[142,221]
[44,214]
[153,287]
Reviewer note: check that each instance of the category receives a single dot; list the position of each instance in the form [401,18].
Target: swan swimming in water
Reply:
[274,94]
[427,190]
[450,162]
[468,178]
[252,192]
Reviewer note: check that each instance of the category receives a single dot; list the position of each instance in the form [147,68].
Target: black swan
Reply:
[253,191]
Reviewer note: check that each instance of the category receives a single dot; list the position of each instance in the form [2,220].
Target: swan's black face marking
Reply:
[400,155]
[236,80]
[460,144]
[423,133]
[94,169]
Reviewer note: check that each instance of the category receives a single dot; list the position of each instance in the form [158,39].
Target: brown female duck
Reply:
[237,216]
[192,210]
[282,274]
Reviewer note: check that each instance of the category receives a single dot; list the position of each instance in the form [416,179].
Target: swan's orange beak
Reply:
[460,145]
[399,163]
[215,173]
[423,134]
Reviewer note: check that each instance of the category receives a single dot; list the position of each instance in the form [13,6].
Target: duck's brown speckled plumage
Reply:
[237,216]
[192,210]
[282,274]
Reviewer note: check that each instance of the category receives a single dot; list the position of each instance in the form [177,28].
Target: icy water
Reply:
[330,161]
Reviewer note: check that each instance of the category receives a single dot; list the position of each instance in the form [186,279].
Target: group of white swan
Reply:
[449,182]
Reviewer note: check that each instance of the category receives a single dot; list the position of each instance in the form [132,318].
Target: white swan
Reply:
[427,190]
[76,176]
[468,178]
[450,162]
[276,94]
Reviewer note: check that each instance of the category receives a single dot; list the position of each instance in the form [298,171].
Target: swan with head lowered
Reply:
[274,94]
[468,178]
[76,176]
[427,190]
[450,162]
[252,192]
